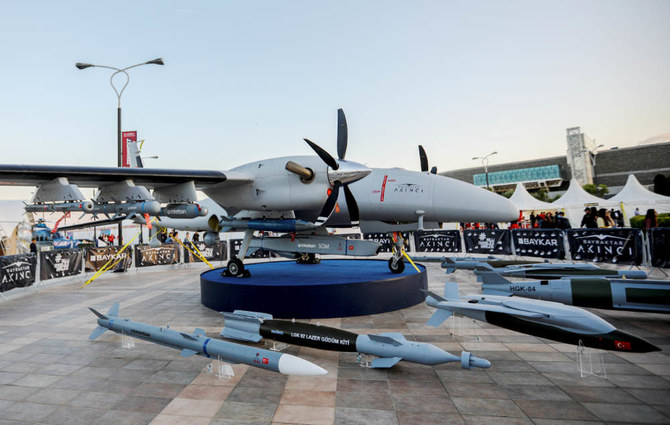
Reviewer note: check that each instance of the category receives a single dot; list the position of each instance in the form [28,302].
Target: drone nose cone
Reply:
[623,341]
[348,172]
[460,201]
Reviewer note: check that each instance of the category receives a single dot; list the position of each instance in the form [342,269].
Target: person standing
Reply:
[650,220]
[33,246]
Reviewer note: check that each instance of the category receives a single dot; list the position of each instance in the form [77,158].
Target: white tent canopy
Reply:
[526,202]
[634,195]
[576,199]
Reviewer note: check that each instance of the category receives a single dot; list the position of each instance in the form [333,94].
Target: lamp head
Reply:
[158,61]
[80,65]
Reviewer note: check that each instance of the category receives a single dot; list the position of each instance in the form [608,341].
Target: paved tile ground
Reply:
[50,373]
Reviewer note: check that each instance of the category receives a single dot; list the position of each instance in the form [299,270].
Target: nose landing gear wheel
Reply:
[235,268]
[397,266]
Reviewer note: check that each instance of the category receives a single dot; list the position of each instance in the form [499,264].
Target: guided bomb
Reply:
[389,347]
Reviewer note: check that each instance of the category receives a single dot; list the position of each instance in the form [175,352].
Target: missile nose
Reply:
[292,365]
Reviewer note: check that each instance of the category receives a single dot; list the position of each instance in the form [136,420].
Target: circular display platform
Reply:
[333,288]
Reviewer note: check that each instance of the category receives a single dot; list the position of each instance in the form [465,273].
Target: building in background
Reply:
[583,161]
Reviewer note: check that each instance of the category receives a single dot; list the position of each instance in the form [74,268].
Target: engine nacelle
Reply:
[211,238]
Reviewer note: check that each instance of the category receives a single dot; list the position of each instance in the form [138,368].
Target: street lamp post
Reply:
[119,156]
[485,162]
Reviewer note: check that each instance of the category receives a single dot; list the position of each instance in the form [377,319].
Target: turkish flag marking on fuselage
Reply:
[622,345]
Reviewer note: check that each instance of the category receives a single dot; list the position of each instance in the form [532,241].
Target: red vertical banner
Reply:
[127,136]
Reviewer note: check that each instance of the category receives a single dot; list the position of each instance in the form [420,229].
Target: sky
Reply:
[247,80]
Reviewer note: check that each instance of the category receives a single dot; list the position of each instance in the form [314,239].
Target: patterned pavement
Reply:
[50,373]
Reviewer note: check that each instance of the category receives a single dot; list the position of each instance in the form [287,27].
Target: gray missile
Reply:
[452,264]
[389,347]
[545,319]
[315,244]
[198,343]
[183,211]
[85,206]
[596,292]
[558,270]
[144,207]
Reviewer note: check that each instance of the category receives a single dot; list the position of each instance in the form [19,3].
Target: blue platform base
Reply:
[333,288]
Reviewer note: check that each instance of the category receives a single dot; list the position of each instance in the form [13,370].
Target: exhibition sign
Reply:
[60,263]
[146,256]
[213,253]
[385,240]
[659,244]
[437,241]
[546,243]
[98,257]
[494,241]
[606,245]
[17,271]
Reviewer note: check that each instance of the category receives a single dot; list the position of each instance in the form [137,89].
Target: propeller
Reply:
[341,173]
[424,161]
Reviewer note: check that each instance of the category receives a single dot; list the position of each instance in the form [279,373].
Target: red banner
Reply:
[127,136]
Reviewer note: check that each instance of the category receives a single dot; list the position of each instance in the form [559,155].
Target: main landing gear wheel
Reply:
[396,266]
[235,268]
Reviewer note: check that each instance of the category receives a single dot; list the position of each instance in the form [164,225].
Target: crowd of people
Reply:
[593,219]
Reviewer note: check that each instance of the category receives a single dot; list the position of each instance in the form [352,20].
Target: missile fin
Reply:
[199,332]
[385,362]
[395,335]
[439,317]
[187,352]
[187,336]
[490,277]
[384,340]
[114,310]
[451,291]
[97,332]
[230,333]
[432,294]
[97,313]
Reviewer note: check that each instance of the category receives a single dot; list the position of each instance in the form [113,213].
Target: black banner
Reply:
[606,245]
[17,271]
[236,244]
[659,244]
[98,257]
[146,256]
[211,253]
[495,241]
[60,263]
[437,240]
[547,243]
[385,240]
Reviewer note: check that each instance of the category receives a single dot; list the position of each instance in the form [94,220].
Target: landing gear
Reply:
[235,268]
[308,259]
[396,262]
[396,265]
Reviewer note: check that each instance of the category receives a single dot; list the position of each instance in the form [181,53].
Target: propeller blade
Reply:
[325,156]
[433,170]
[329,206]
[424,159]
[342,134]
[352,206]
